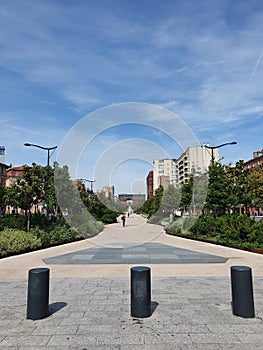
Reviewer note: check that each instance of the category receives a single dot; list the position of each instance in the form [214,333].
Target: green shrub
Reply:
[233,230]
[109,217]
[63,235]
[15,221]
[43,236]
[205,226]
[58,235]
[89,229]
[17,241]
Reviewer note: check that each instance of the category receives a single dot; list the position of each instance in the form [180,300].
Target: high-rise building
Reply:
[163,170]
[195,160]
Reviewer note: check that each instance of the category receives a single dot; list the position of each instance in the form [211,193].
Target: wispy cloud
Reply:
[62,60]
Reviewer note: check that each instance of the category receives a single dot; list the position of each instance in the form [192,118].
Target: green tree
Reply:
[217,195]
[2,199]
[152,206]
[40,180]
[67,192]
[171,199]
[238,187]
[187,194]
[255,179]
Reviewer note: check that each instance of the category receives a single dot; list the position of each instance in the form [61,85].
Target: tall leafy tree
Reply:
[67,191]
[255,179]
[171,199]
[217,195]
[187,194]
[2,199]
[238,186]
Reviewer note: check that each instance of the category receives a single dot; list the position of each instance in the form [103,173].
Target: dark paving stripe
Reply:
[153,253]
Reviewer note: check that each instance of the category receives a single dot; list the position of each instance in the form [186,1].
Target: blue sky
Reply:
[60,61]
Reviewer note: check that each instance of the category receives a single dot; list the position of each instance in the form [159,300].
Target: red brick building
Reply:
[149,183]
[13,174]
[257,160]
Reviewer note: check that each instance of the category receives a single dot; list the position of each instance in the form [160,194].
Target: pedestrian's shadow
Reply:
[55,307]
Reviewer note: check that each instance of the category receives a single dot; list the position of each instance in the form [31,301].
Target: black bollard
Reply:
[38,293]
[242,291]
[140,291]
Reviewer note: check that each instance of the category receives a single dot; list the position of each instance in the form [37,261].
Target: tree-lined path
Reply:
[116,249]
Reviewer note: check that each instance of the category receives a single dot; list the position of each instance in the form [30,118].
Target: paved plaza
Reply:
[89,304]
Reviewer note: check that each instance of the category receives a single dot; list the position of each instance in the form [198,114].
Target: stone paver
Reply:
[90,303]
[95,314]
[147,253]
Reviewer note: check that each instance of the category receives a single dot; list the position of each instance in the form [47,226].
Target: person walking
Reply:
[123,218]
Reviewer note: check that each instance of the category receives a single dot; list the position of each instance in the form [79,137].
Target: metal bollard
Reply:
[38,293]
[242,291]
[140,291]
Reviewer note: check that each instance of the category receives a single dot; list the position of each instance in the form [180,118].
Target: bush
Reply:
[89,229]
[59,235]
[109,217]
[17,241]
[15,221]
[42,235]
[234,230]
[63,235]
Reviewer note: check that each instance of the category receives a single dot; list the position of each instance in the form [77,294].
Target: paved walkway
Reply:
[90,302]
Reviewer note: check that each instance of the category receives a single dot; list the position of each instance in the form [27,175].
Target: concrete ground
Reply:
[89,304]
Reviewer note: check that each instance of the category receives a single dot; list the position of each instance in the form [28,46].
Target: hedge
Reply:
[233,230]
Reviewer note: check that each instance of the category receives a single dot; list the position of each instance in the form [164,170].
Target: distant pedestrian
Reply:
[123,218]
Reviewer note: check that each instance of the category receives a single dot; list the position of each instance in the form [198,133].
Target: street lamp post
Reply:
[48,149]
[91,183]
[215,147]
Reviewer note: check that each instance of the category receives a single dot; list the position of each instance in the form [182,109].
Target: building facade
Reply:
[13,174]
[149,185]
[3,166]
[132,198]
[195,160]
[257,160]
[164,170]
[108,191]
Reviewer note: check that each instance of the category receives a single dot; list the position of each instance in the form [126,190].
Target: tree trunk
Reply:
[28,220]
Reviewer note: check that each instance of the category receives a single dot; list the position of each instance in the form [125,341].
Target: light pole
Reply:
[48,149]
[90,181]
[215,147]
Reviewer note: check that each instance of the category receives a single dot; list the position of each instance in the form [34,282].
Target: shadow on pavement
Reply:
[55,307]
[154,306]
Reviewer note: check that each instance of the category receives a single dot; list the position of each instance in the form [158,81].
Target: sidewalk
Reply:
[90,303]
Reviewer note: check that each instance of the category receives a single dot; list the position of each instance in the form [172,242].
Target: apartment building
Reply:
[257,160]
[164,172]
[108,191]
[195,160]
[13,174]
